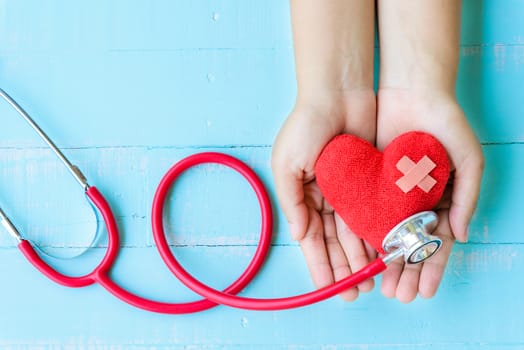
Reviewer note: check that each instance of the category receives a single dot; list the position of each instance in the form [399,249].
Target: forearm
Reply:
[419,44]
[333,43]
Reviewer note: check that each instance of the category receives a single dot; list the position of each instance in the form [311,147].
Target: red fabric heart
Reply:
[359,182]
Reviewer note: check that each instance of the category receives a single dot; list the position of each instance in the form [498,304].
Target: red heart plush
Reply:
[367,189]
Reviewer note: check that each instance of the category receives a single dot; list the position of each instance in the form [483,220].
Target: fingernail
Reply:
[466,230]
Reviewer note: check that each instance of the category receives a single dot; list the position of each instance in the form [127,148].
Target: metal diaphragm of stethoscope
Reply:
[410,239]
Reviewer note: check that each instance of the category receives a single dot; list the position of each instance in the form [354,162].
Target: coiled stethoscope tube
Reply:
[409,240]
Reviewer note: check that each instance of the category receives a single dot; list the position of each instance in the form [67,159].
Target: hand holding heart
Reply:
[327,244]
[441,116]
[331,248]
[334,61]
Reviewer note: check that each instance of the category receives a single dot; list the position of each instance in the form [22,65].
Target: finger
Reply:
[391,277]
[337,257]
[315,252]
[372,253]
[425,278]
[290,191]
[434,268]
[407,288]
[445,200]
[466,188]
[354,249]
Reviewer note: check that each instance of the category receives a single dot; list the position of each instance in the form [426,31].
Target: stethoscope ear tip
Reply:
[412,237]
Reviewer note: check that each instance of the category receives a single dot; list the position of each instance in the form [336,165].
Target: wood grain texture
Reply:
[127,88]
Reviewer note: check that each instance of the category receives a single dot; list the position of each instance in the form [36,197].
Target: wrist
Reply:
[424,78]
[421,102]
[351,112]
[324,98]
[416,96]
[338,104]
[334,79]
[423,70]
[418,66]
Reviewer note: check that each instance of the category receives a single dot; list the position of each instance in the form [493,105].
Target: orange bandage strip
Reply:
[415,174]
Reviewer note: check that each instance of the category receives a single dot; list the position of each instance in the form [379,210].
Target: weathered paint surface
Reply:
[127,88]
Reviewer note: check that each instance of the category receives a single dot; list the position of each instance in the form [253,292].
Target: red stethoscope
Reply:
[409,239]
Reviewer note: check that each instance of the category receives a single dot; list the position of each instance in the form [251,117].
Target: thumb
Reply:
[290,191]
[466,188]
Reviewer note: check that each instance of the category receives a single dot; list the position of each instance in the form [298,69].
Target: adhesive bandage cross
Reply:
[416,174]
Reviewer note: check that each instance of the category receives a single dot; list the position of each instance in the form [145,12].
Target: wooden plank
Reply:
[211,205]
[498,217]
[488,88]
[492,22]
[212,98]
[60,25]
[151,98]
[475,299]
[43,198]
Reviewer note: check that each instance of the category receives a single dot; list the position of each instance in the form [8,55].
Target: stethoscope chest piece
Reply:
[412,237]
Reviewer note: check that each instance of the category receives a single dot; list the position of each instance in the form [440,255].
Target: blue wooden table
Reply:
[127,88]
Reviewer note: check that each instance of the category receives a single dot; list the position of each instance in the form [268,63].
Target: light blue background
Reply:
[127,88]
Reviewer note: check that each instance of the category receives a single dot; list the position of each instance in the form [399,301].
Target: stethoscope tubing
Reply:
[99,202]
[248,274]
[101,273]
[228,299]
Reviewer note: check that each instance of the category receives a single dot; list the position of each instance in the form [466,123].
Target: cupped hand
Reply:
[439,114]
[331,250]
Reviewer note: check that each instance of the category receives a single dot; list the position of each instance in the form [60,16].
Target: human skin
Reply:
[419,54]
[333,42]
